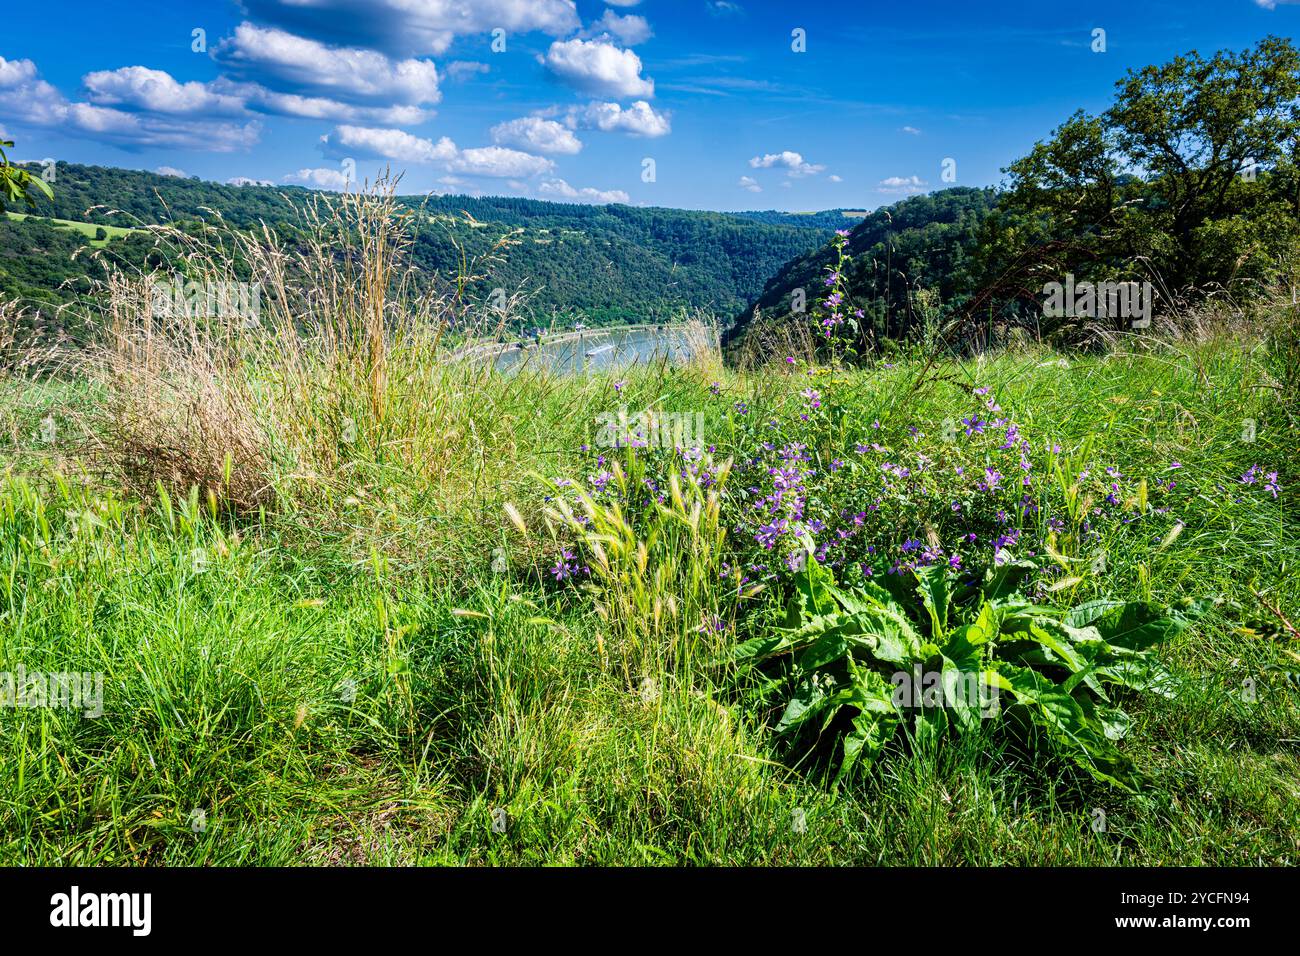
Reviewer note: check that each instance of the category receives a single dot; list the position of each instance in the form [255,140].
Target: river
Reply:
[598,349]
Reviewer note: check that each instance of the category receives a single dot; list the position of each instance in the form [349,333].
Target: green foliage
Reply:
[1191,180]
[16,183]
[922,242]
[603,264]
[826,219]
[924,655]
[354,682]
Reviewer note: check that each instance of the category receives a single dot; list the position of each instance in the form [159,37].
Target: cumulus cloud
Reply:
[639,119]
[27,99]
[788,160]
[387,144]
[542,135]
[558,187]
[320,178]
[396,144]
[248,181]
[307,66]
[902,185]
[497,161]
[172,171]
[140,88]
[628,29]
[597,67]
[257,97]
[910,130]
[748,182]
[407,27]
[461,70]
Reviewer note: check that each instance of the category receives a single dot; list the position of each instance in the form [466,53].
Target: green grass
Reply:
[348,680]
[87,229]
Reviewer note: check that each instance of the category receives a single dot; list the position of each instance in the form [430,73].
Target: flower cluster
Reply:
[881,499]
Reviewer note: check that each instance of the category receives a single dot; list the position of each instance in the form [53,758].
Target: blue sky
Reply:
[323,92]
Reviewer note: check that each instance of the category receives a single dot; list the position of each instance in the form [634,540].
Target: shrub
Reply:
[930,657]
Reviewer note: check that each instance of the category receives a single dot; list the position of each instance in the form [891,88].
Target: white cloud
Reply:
[407,27]
[911,130]
[350,73]
[461,70]
[835,179]
[542,135]
[499,162]
[400,145]
[902,185]
[172,171]
[639,119]
[1272,4]
[629,29]
[788,160]
[724,8]
[748,182]
[27,99]
[16,72]
[389,144]
[598,67]
[317,178]
[258,97]
[138,87]
[558,187]
[247,181]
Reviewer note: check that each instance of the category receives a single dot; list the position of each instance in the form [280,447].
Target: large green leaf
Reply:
[961,694]
[1082,739]
[1006,577]
[932,585]
[873,726]
[1132,625]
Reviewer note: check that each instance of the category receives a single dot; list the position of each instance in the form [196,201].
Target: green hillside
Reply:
[99,235]
[606,264]
[921,242]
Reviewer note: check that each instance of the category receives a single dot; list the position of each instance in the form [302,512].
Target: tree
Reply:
[16,183]
[1191,169]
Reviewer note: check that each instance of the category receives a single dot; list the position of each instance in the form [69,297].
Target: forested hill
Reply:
[605,264]
[1188,185]
[921,242]
[826,219]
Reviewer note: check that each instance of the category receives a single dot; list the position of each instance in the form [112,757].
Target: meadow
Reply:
[356,604]
[88,229]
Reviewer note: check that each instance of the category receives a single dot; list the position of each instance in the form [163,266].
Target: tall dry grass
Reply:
[341,403]
[339,359]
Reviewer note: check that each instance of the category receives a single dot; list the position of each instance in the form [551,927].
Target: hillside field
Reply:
[385,645]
